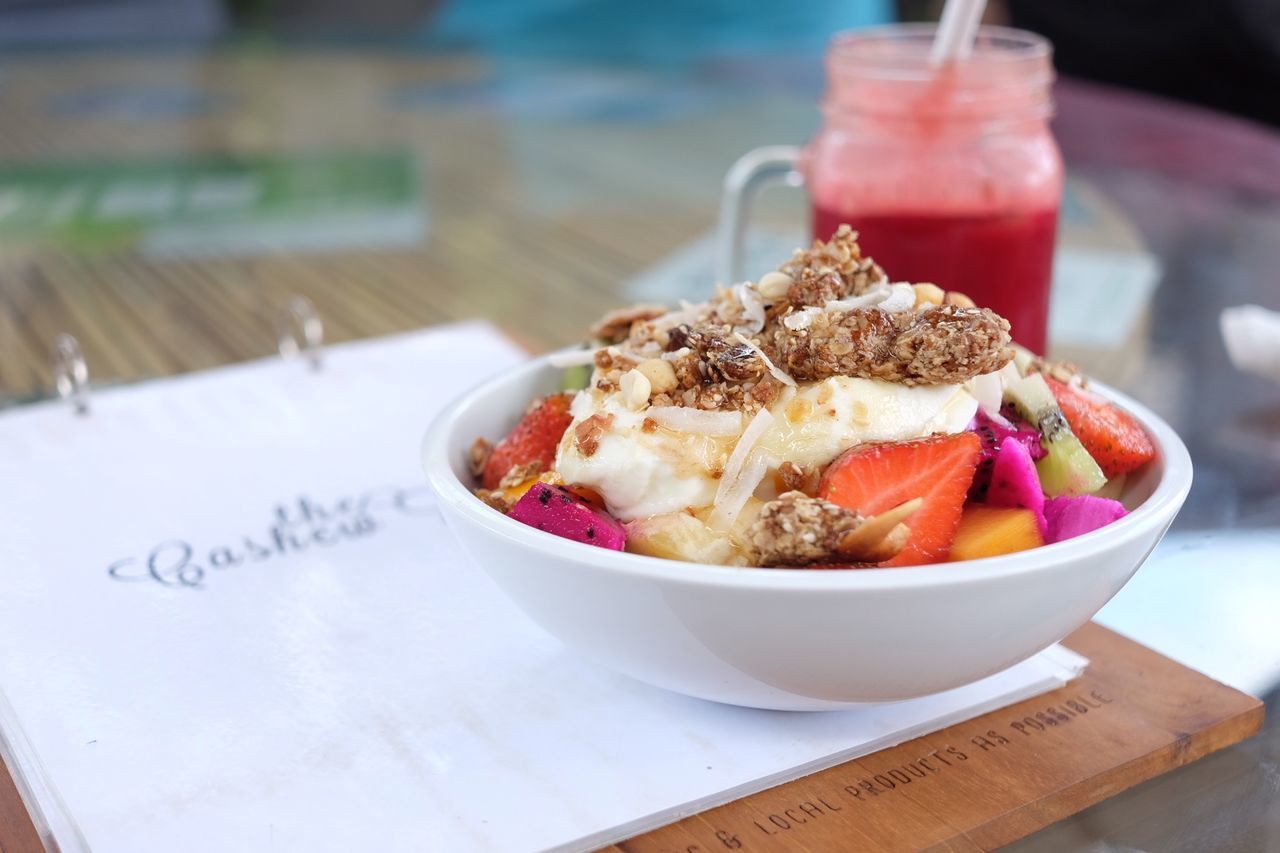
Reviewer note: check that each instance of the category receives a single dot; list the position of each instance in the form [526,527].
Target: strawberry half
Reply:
[533,440]
[1111,435]
[872,478]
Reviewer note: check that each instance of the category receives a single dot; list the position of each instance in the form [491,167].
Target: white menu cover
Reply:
[231,619]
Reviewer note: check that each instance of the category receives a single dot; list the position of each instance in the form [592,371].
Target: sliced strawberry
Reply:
[1110,434]
[872,478]
[533,440]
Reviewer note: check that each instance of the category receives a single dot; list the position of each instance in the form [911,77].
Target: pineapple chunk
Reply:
[679,536]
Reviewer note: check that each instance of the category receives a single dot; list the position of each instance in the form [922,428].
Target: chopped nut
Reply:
[880,537]
[774,285]
[518,474]
[494,498]
[478,456]
[635,388]
[615,326]
[928,294]
[660,373]
[586,434]
[797,478]
[1063,371]
[958,299]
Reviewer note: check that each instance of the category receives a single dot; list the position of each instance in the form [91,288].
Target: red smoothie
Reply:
[1003,261]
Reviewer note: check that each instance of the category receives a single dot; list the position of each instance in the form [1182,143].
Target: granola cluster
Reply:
[801,323]
[942,345]
[704,366]
[810,269]
[797,530]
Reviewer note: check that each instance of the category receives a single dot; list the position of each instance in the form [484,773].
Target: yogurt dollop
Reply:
[643,469]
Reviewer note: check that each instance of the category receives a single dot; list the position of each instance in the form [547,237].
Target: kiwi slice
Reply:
[575,378]
[1067,469]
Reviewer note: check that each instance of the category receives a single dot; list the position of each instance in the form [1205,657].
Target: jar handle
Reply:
[753,170]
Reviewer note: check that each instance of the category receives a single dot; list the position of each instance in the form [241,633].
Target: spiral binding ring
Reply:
[71,373]
[300,331]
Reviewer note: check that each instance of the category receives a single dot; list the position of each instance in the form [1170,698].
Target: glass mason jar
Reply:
[949,173]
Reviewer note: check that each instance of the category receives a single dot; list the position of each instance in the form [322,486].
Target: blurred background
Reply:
[172,172]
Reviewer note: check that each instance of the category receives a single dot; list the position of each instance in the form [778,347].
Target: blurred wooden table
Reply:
[533,220]
[545,189]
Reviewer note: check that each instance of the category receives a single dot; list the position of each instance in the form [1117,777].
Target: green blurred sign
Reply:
[235,204]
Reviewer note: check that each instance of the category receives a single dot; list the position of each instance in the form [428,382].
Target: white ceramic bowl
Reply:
[785,638]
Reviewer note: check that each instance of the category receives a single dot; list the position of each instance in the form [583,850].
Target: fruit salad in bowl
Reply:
[811,491]
[823,417]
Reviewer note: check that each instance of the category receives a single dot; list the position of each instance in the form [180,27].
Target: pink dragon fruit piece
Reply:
[992,431]
[1014,482]
[559,511]
[1067,517]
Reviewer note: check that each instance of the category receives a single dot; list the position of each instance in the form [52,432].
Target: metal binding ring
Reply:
[301,318]
[71,373]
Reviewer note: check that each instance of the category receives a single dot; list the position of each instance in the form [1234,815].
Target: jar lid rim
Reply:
[994,47]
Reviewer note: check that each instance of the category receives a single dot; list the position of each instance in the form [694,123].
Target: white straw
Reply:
[956,30]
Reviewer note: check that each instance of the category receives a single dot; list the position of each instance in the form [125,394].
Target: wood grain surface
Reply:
[978,785]
[531,223]
[17,832]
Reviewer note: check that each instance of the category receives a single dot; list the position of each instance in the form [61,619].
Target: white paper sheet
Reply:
[232,620]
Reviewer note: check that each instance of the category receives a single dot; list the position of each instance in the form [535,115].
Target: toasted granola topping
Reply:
[797,530]
[1063,371]
[735,351]
[798,478]
[812,287]
[494,498]
[842,255]
[935,346]
[519,474]
[725,357]
[478,456]
[615,326]
[587,433]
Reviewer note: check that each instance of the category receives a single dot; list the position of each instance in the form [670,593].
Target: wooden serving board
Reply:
[1133,715]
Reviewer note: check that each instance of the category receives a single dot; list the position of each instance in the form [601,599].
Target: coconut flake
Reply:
[902,297]
[752,306]
[686,313]
[572,357]
[876,294]
[893,298]
[741,451]
[730,505]
[696,421]
[801,319]
[988,391]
